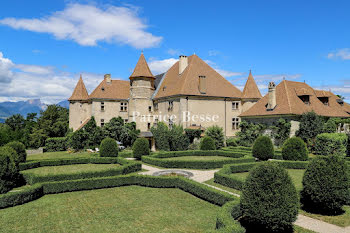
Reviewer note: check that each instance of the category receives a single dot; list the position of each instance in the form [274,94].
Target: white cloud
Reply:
[5,69]
[23,82]
[343,54]
[225,73]
[213,53]
[88,24]
[275,77]
[35,69]
[161,66]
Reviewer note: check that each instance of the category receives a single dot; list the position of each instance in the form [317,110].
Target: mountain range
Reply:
[24,107]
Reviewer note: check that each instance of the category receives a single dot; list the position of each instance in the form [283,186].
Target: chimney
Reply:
[183,62]
[108,78]
[271,104]
[202,84]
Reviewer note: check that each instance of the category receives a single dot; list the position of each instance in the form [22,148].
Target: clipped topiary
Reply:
[140,148]
[263,148]
[8,169]
[108,148]
[325,185]
[207,143]
[20,150]
[295,149]
[269,200]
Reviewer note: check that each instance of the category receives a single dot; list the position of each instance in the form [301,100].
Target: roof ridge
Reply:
[142,69]
[287,94]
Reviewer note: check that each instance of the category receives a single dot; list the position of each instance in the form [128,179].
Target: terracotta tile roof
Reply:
[80,92]
[188,82]
[288,102]
[83,124]
[142,69]
[117,89]
[251,90]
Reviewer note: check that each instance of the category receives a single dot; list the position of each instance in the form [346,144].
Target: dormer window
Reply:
[340,101]
[305,99]
[324,100]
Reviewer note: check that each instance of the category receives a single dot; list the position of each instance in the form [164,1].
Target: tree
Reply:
[161,136]
[114,128]
[249,133]
[54,121]
[216,133]
[5,134]
[281,131]
[16,122]
[311,125]
[269,200]
[177,139]
[330,126]
[129,134]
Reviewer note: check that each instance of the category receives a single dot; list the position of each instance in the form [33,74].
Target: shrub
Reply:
[325,185]
[56,144]
[216,133]
[8,169]
[232,142]
[20,150]
[207,143]
[269,199]
[330,126]
[140,148]
[295,149]
[192,134]
[331,144]
[178,140]
[263,148]
[280,131]
[108,148]
[249,133]
[161,136]
[311,125]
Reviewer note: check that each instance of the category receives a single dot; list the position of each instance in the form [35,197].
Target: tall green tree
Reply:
[216,133]
[311,125]
[161,136]
[178,140]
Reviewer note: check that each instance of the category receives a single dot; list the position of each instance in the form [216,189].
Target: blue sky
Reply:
[46,45]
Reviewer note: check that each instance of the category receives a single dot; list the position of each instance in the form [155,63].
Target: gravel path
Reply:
[302,221]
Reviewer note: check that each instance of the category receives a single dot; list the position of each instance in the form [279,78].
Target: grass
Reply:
[60,155]
[298,229]
[200,158]
[122,209]
[295,174]
[211,182]
[70,169]
[342,220]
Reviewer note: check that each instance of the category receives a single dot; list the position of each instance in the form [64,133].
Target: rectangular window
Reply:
[148,126]
[150,108]
[126,121]
[235,105]
[155,106]
[155,122]
[171,105]
[102,106]
[235,123]
[123,106]
[102,122]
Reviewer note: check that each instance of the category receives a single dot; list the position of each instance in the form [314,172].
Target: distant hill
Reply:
[64,103]
[21,107]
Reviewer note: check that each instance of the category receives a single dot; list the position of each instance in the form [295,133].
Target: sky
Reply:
[46,45]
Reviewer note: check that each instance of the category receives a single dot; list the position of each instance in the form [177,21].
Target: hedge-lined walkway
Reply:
[302,221]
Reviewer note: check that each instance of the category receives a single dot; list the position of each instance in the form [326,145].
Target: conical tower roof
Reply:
[80,92]
[142,69]
[251,90]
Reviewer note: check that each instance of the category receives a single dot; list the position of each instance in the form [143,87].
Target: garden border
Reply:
[159,159]
[126,168]
[223,176]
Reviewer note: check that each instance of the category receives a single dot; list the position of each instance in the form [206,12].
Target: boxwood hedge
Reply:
[223,176]
[126,168]
[160,159]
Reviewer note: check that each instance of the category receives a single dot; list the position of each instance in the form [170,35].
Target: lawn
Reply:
[200,158]
[342,220]
[122,209]
[70,169]
[295,174]
[60,155]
